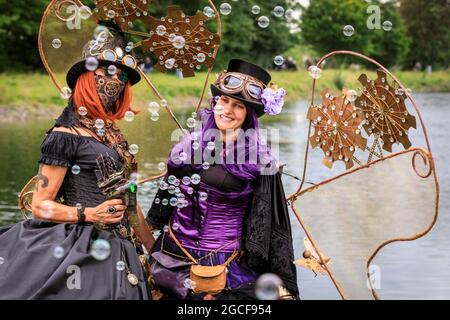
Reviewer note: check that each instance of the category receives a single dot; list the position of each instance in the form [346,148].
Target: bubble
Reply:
[111,14]
[195,179]
[208,11]
[315,72]
[2,260]
[194,115]
[161,30]
[157,200]
[169,63]
[267,287]
[348,30]
[179,42]
[133,149]
[153,107]
[173,202]
[76,169]
[194,136]
[201,57]
[161,166]
[99,123]
[100,250]
[225,8]
[352,95]
[164,185]
[82,111]
[190,122]
[56,43]
[186,180]
[211,146]
[278,11]
[154,116]
[190,190]
[100,132]
[120,266]
[112,70]
[205,165]
[91,64]
[166,228]
[58,252]
[171,179]
[84,12]
[289,14]
[256,9]
[187,283]
[195,145]
[219,109]
[263,22]
[164,103]
[172,189]
[278,60]
[66,93]
[183,156]
[165,202]
[129,116]
[203,196]
[387,25]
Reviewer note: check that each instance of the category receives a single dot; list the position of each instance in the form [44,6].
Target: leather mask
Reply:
[108,90]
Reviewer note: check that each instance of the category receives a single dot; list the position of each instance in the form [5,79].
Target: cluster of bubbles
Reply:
[349,30]
[100,249]
[153,108]
[267,287]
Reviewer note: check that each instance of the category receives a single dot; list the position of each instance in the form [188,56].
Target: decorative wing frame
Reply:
[338,122]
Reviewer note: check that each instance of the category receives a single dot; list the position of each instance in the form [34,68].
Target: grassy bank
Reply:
[35,94]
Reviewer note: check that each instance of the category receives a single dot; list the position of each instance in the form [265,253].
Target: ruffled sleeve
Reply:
[59,149]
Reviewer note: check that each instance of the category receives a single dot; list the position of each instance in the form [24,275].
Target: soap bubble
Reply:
[173,201]
[76,169]
[112,70]
[165,202]
[278,60]
[186,181]
[256,9]
[56,43]
[348,30]
[91,63]
[2,260]
[99,123]
[66,93]
[166,228]
[289,14]
[179,42]
[169,63]
[161,30]
[164,103]
[120,265]
[225,8]
[263,22]
[155,116]
[195,179]
[190,122]
[161,166]
[84,12]
[201,57]
[101,249]
[278,11]
[171,179]
[153,107]
[129,116]
[315,72]
[58,252]
[175,226]
[211,146]
[387,25]
[267,287]
[208,11]
[133,149]
[82,111]
[352,95]
[203,196]
[111,14]
[205,165]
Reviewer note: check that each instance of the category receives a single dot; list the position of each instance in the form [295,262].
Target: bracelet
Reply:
[81,215]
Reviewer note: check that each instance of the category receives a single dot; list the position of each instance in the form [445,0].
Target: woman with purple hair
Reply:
[222,201]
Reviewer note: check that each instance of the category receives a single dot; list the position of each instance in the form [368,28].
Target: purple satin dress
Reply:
[210,224]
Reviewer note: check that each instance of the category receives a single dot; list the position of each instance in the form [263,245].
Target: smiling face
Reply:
[233,116]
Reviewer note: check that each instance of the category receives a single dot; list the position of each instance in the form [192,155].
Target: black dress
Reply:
[45,260]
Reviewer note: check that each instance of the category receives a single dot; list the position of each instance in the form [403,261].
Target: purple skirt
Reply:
[238,273]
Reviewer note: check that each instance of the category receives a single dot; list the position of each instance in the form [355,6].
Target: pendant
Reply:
[133,279]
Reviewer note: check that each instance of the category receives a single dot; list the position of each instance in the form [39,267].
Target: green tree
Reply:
[19,25]
[324,20]
[428,24]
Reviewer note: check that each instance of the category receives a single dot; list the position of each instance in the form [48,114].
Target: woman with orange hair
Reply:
[88,231]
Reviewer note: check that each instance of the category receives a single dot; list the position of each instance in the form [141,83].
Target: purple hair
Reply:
[248,170]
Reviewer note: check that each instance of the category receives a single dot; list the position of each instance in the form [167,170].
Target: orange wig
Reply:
[86,95]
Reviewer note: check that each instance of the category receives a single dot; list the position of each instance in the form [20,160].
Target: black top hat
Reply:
[111,41]
[245,68]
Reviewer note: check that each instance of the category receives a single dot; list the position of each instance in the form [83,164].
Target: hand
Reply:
[100,213]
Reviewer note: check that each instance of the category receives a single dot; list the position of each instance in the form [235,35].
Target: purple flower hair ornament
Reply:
[273,100]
